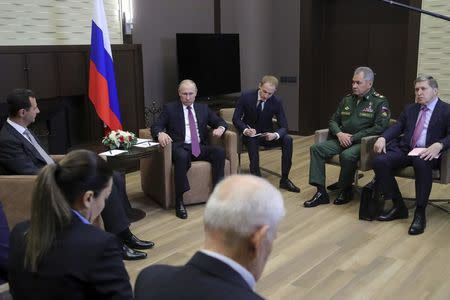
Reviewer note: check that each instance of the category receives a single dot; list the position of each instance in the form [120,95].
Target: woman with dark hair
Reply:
[58,254]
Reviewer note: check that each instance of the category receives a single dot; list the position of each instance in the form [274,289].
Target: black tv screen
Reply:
[211,60]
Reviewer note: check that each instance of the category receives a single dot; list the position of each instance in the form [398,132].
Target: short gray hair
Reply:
[187,82]
[368,73]
[243,203]
[431,81]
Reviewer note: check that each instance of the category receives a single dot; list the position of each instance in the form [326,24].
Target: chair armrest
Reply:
[15,194]
[445,167]
[57,157]
[145,133]
[321,135]
[228,141]
[366,152]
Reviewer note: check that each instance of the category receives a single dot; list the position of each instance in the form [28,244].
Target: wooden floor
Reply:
[323,252]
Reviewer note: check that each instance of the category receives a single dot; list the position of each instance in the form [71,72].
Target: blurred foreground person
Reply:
[241,220]
[58,254]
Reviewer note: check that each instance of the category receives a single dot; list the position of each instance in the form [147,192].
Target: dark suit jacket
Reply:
[245,114]
[83,263]
[17,155]
[438,128]
[171,120]
[203,277]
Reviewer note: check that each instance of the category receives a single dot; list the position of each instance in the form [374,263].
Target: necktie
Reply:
[259,107]
[38,147]
[419,126]
[195,146]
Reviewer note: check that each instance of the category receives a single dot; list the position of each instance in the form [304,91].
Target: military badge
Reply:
[346,108]
[368,109]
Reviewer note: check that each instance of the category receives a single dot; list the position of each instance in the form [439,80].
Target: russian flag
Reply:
[102,82]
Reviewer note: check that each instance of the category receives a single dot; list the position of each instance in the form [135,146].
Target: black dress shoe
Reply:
[180,211]
[130,254]
[289,185]
[418,224]
[317,199]
[135,243]
[394,213]
[345,196]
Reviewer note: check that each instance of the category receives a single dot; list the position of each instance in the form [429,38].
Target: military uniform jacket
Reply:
[368,117]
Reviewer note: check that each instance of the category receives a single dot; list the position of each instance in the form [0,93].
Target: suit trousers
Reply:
[253,144]
[348,158]
[182,158]
[385,165]
[114,214]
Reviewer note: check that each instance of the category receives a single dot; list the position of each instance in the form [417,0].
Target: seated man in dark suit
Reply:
[21,154]
[423,124]
[253,115]
[184,124]
[240,221]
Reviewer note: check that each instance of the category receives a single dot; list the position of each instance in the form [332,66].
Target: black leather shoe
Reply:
[345,196]
[180,211]
[394,213]
[130,254]
[135,243]
[418,224]
[317,199]
[289,185]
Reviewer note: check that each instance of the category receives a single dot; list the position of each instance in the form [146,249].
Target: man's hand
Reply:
[249,132]
[380,145]
[269,136]
[345,139]
[431,152]
[164,139]
[218,131]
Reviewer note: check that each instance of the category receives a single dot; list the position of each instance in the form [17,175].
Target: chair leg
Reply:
[442,205]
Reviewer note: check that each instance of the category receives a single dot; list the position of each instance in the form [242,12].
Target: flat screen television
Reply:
[211,60]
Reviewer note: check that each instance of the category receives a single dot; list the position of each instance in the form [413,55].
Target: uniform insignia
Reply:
[384,114]
[384,109]
[368,109]
[346,108]
[378,95]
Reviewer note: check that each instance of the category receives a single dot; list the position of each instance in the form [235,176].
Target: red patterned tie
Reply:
[195,146]
[419,126]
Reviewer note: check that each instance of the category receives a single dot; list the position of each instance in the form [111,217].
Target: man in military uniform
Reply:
[362,113]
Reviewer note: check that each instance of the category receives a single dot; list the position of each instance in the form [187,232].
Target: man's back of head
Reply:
[241,220]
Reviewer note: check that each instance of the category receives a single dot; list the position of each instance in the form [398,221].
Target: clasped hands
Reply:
[427,154]
[164,139]
[345,139]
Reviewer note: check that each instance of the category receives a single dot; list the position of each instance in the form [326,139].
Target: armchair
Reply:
[441,176]
[157,172]
[366,153]
[15,194]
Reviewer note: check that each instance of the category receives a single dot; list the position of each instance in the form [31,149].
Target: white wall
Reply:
[434,45]
[51,22]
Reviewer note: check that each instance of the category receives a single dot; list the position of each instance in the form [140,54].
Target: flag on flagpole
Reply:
[102,82]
